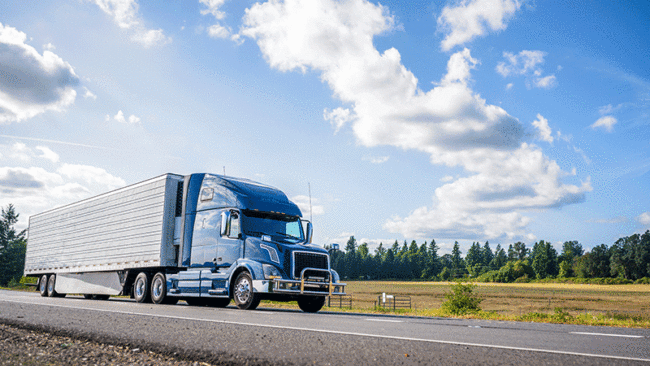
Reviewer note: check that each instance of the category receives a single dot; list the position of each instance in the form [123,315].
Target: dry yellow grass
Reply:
[517,298]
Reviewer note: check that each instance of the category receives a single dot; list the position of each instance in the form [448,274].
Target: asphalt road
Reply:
[271,336]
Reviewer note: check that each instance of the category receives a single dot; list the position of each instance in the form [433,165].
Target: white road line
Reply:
[342,332]
[609,334]
[384,320]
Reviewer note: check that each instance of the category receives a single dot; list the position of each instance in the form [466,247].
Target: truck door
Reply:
[205,238]
[230,246]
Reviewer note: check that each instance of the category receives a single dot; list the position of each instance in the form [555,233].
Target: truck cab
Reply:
[242,240]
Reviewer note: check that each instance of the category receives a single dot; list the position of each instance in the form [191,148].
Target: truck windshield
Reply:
[279,227]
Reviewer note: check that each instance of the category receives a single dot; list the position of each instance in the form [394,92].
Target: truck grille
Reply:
[304,260]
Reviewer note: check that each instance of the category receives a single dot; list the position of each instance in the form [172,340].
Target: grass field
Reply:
[612,305]
[516,298]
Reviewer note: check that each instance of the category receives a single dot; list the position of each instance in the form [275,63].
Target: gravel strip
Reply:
[19,346]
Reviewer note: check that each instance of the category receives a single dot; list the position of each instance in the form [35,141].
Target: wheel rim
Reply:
[43,284]
[50,286]
[140,288]
[243,291]
[157,288]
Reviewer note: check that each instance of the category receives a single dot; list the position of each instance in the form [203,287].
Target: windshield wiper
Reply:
[255,233]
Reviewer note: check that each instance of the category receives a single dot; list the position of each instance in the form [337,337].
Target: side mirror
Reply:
[310,232]
[225,223]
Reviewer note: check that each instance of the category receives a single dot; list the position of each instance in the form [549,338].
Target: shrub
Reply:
[461,300]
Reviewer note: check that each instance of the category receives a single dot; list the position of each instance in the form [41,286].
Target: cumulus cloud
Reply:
[125,15]
[469,19]
[606,122]
[526,63]
[543,130]
[450,122]
[644,218]
[338,117]
[89,94]
[120,118]
[31,83]
[218,30]
[33,188]
[48,154]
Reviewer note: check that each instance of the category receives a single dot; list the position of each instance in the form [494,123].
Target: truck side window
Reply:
[235,227]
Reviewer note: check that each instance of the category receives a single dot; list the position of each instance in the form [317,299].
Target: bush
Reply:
[461,300]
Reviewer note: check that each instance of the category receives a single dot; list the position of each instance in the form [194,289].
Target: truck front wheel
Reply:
[311,304]
[244,295]
[141,291]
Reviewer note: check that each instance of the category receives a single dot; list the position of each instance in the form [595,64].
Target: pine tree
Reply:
[12,247]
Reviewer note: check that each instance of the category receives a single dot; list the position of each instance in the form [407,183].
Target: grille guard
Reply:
[301,287]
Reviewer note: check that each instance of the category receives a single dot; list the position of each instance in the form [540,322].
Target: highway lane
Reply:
[277,336]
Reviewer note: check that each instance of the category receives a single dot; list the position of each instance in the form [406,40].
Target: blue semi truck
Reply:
[203,238]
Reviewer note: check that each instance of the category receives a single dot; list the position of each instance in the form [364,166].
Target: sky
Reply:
[475,120]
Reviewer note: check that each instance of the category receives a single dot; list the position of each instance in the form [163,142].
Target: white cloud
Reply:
[546,82]
[606,122]
[49,47]
[644,218]
[376,159]
[469,19]
[446,178]
[303,204]
[89,94]
[90,175]
[451,123]
[48,154]
[543,130]
[33,189]
[120,118]
[46,81]
[125,15]
[218,30]
[526,63]
[338,117]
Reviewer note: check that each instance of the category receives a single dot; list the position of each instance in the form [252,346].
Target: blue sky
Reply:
[495,120]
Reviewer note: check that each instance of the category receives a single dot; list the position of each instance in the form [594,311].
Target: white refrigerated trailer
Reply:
[204,238]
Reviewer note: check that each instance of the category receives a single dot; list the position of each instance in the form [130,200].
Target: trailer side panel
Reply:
[131,227]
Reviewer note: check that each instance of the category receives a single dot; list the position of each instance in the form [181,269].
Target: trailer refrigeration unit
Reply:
[202,238]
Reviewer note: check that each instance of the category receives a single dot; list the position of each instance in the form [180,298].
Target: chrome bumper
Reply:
[324,287]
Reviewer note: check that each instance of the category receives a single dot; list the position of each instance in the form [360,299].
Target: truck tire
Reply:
[51,285]
[141,291]
[311,304]
[42,286]
[159,290]
[244,294]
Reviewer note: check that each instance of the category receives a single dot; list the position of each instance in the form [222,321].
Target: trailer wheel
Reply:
[244,295]
[311,304]
[42,286]
[51,292]
[159,290]
[141,288]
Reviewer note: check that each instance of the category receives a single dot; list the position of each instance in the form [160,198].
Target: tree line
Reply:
[12,248]
[628,259]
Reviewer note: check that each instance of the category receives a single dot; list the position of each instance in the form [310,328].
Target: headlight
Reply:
[270,272]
